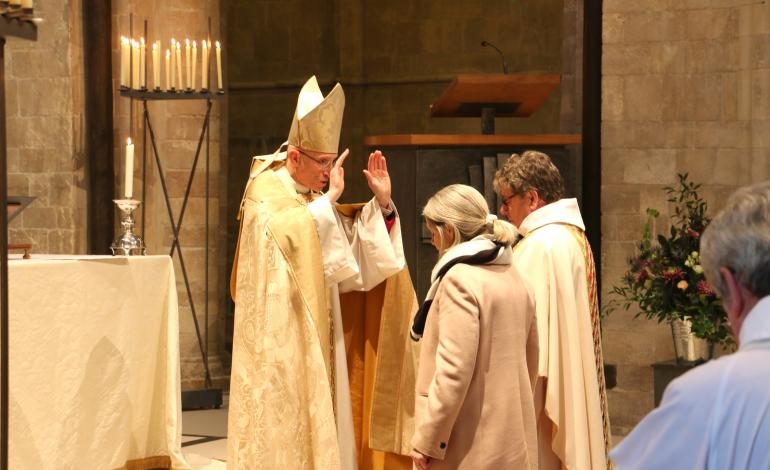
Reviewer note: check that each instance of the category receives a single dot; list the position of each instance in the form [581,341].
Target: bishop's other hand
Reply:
[378,178]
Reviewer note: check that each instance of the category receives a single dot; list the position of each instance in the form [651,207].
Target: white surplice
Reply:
[358,254]
[716,416]
[572,416]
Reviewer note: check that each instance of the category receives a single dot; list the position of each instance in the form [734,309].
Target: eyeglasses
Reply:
[323,165]
[506,200]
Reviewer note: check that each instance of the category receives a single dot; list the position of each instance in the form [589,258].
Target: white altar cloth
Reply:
[94,363]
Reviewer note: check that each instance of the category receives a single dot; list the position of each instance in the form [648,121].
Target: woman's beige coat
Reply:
[478,364]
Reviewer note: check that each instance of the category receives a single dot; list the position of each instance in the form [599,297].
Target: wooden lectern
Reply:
[493,95]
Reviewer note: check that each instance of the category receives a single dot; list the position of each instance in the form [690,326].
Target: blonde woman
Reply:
[478,362]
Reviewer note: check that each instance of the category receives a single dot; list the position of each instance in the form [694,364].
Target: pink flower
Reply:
[705,288]
[672,274]
[641,276]
[692,233]
[682,284]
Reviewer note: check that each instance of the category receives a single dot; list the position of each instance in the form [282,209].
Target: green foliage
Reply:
[665,279]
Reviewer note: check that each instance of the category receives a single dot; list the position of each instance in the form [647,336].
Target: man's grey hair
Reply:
[530,170]
[739,239]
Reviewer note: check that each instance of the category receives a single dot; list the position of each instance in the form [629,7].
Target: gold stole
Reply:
[585,247]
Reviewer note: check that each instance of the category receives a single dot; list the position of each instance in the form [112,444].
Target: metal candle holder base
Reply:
[127,243]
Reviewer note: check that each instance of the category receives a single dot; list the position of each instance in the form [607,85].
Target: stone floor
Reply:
[204,438]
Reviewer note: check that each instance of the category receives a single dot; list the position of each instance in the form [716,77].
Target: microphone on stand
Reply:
[486,43]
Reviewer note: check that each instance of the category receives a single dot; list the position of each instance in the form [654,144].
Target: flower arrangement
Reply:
[666,278]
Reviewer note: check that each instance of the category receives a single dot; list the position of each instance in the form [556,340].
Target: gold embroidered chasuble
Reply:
[290,402]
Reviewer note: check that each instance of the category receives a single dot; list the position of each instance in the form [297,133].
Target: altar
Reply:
[94,363]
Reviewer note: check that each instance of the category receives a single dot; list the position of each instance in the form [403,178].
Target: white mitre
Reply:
[317,120]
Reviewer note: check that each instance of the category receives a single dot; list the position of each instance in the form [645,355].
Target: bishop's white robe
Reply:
[570,398]
[289,381]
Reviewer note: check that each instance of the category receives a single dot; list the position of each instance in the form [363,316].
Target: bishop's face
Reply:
[311,169]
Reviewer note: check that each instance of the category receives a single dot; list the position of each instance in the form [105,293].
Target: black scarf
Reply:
[480,250]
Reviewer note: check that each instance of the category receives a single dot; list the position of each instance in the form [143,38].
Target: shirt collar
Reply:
[291,183]
[756,326]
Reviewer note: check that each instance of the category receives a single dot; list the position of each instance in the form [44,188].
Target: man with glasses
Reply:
[290,393]
[570,398]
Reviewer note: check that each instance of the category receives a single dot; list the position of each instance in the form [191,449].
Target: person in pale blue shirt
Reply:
[717,416]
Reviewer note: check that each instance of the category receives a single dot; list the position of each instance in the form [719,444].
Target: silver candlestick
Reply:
[127,243]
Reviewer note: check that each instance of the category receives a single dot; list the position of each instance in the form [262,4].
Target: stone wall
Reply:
[44,109]
[686,88]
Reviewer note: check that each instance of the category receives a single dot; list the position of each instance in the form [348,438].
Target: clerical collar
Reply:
[285,177]
[563,211]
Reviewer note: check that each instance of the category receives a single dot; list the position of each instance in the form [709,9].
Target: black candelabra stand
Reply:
[208,397]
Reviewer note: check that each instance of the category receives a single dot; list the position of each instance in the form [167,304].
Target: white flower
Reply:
[698,268]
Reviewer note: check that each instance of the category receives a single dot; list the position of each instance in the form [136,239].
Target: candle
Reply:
[142,64]
[134,64]
[26,4]
[187,62]
[156,65]
[168,69]
[219,66]
[125,50]
[15,3]
[205,65]
[129,169]
[194,61]
[173,64]
[179,65]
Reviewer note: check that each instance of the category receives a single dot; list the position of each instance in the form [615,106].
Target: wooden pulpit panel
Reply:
[470,140]
[517,95]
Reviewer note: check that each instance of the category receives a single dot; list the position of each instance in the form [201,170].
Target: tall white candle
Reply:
[134,64]
[187,82]
[129,183]
[219,66]
[194,63]
[179,82]
[142,64]
[205,65]
[125,50]
[173,64]
[168,69]
[156,65]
